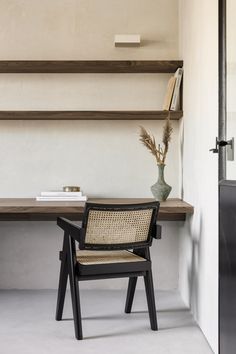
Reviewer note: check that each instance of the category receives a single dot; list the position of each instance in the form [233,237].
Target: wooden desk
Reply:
[15,209]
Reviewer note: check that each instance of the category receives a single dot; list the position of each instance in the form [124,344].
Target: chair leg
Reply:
[74,288]
[130,294]
[151,300]
[62,289]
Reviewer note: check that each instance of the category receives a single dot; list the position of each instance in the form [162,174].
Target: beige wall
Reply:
[84,29]
[105,158]
[58,153]
[199,236]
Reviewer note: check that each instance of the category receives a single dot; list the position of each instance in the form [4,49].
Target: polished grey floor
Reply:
[27,325]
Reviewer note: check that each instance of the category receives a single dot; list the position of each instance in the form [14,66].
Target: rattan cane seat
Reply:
[86,257]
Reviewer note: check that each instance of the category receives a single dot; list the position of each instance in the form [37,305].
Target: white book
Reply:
[60,194]
[82,198]
[176,94]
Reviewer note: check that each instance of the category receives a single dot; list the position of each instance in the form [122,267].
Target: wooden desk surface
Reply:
[29,209]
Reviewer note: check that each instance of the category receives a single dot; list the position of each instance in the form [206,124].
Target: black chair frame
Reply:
[71,269]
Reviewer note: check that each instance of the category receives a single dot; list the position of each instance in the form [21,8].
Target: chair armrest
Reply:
[72,229]
[157,233]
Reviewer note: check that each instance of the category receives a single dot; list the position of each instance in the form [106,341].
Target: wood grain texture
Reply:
[89,66]
[88,115]
[30,209]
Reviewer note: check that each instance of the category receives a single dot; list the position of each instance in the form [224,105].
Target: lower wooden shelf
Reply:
[89,115]
[29,209]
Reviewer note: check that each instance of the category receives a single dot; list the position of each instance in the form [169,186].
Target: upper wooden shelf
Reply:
[89,66]
[30,209]
[89,115]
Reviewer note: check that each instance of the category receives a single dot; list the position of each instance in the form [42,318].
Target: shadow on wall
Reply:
[193,270]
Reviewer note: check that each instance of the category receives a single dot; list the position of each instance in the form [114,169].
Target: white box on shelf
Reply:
[127,40]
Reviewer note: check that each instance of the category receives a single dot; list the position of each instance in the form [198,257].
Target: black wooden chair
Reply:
[106,238]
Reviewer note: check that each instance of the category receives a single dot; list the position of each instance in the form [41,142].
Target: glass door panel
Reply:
[231,87]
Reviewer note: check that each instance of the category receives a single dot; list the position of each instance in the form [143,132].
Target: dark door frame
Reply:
[222,128]
[221,120]
[222,135]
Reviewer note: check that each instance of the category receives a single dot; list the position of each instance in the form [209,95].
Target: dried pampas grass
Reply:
[150,143]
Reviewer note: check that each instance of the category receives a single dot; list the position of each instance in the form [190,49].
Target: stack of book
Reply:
[172,97]
[60,196]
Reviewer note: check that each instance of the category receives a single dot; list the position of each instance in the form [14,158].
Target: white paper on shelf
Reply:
[60,194]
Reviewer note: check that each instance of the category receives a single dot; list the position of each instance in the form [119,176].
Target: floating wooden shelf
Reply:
[30,209]
[90,66]
[89,115]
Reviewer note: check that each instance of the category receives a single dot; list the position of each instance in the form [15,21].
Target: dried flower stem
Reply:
[159,152]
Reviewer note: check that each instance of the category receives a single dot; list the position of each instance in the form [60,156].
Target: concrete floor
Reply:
[27,325]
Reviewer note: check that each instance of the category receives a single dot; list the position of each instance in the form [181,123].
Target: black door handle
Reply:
[221,143]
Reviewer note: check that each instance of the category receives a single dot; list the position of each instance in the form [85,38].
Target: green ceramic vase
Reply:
[161,189]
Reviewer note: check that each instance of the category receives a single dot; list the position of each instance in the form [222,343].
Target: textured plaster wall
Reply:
[104,158]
